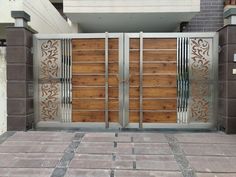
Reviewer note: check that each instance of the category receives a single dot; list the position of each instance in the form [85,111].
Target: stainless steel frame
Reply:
[141,81]
[183,53]
[106,80]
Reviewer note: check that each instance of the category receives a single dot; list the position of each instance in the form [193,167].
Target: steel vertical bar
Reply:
[180,81]
[177,79]
[185,86]
[106,80]
[121,83]
[70,83]
[141,82]
[187,64]
[62,74]
[66,79]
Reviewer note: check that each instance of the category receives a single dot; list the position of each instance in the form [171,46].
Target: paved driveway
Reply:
[44,154]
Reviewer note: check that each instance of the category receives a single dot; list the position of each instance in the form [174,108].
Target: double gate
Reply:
[140,80]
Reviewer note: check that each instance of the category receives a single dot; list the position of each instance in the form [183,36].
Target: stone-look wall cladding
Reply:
[19,79]
[227,80]
[210,19]
[3,91]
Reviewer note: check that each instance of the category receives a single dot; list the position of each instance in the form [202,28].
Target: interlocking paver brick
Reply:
[26,172]
[157,165]
[213,164]
[209,149]
[216,174]
[139,173]
[87,173]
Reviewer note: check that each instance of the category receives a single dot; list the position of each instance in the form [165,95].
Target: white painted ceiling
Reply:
[132,22]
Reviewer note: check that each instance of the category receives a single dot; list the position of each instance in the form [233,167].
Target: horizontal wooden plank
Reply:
[158,104]
[94,80]
[80,44]
[94,56]
[154,81]
[154,43]
[154,117]
[154,68]
[157,92]
[94,68]
[94,116]
[94,92]
[160,55]
[94,104]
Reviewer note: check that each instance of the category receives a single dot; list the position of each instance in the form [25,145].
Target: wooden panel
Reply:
[155,43]
[93,68]
[154,68]
[154,81]
[94,116]
[94,92]
[81,44]
[162,92]
[154,117]
[94,104]
[94,55]
[161,104]
[160,55]
[95,80]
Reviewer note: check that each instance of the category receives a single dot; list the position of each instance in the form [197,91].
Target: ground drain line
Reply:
[68,155]
[186,169]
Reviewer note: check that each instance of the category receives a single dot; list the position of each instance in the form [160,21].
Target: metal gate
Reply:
[136,80]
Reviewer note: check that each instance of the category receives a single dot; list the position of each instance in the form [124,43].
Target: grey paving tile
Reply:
[149,138]
[33,149]
[217,138]
[29,160]
[25,172]
[101,134]
[87,173]
[209,149]
[97,144]
[92,157]
[145,157]
[157,165]
[91,164]
[101,164]
[33,143]
[216,174]
[123,173]
[106,139]
[213,164]
[158,149]
[42,136]
[95,150]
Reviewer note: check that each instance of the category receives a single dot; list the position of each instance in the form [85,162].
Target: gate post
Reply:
[227,79]
[19,74]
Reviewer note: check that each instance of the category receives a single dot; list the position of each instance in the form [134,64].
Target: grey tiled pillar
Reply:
[227,80]
[19,74]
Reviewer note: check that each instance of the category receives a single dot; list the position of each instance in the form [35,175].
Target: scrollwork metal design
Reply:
[49,73]
[200,69]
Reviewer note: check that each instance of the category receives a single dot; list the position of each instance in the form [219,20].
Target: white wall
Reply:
[130,6]
[44,17]
[3,91]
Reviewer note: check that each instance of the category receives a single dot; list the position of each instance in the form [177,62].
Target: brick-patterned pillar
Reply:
[19,74]
[227,79]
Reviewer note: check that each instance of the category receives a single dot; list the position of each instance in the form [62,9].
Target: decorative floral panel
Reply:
[200,79]
[49,80]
